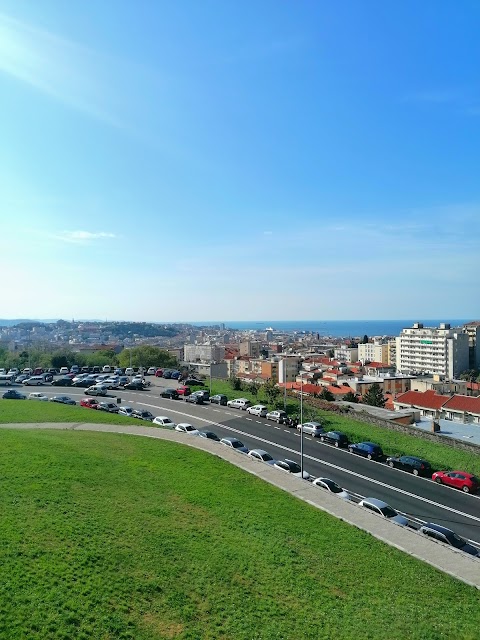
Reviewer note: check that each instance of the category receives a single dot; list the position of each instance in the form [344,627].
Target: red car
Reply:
[90,403]
[458,479]
[159,373]
[184,391]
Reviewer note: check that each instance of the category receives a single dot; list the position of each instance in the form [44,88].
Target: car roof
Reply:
[436,527]
[376,503]
[260,452]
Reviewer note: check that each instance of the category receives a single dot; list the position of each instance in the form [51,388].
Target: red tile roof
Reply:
[426,399]
[463,403]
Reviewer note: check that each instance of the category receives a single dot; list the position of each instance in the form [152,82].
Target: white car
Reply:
[333,487]
[111,383]
[383,509]
[262,455]
[163,421]
[129,371]
[258,410]
[239,403]
[64,371]
[314,429]
[37,396]
[289,466]
[34,381]
[184,427]
[97,390]
[151,371]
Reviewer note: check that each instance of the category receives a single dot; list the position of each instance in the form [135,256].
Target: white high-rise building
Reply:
[442,351]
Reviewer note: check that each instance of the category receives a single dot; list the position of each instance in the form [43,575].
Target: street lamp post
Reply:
[301,424]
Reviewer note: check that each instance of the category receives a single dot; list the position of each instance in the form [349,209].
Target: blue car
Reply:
[175,375]
[368,450]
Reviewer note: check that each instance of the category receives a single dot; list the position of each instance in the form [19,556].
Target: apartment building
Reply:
[392,353]
[346,354]
[250,348]
[203,352]
[288,368]
[472,329]
[439,350]
[373,352]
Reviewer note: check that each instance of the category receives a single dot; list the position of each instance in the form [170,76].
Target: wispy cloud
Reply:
[81,237]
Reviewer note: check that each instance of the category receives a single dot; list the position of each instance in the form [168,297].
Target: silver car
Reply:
[314,429]
[383,509]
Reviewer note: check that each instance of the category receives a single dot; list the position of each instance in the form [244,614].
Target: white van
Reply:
[129,371]
[107,369]
[34,380]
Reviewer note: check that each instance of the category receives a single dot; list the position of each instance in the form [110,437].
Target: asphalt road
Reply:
[418,498]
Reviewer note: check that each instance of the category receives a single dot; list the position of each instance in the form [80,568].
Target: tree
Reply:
[365,339]
[350,397]
[235,383]
[327,395]
[254,388]
[270,392]
[374,396]
[330,353]
[146,356]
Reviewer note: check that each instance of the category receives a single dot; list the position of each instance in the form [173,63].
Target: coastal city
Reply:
[431,369]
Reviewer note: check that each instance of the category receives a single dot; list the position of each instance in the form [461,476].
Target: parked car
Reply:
[259,410]
[171,394]
[151,371]
[219,398]
[159,373]
[175,375]
[368,450]
[279,416]
[13,394]
[417,466]
[62,382]
[110,407]
[136,385]
[191,382]
[89,403]
[107,369]
[97,390]
[83,383]
[184,391]
[122,380]
[383,509]
[143,414]
[64,371]
[447,536]
[314,429]
[194,398]
[289,466]
[337,438]
[62,400]
[125,411]
[111,383]
[37,396]
[21,378]
[262,455]
[204,433]
[163,421]
[47,377]
[239,403]
[467,482]
[167,373]
[129,371]
[184,427]
[333,487]
[234,443]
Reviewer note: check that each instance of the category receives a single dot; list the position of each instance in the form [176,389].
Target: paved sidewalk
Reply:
[455,563]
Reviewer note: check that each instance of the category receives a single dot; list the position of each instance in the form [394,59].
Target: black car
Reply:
[134,386]
[447,536]
[171,394]
[48,377]
[82,383]
[12,394]
[62,382]
[191,382]
[204,433]
[219,398]
[204,393]
[337,438]
[110,407]
[142,414]
[417,466]
[194,398]
[368,450]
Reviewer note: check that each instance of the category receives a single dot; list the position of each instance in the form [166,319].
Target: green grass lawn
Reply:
[16,411]
[440,456]
[111,537]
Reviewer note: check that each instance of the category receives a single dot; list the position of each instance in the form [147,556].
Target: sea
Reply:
[330,328]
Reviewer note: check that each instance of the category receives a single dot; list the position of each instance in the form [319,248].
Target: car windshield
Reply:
[456,541]
[266,457]
[388,512]
[236,444]
[333,486]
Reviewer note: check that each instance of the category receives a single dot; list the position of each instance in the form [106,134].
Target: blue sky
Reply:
[188,160]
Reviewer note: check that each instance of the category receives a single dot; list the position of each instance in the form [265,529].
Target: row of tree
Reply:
[144,356]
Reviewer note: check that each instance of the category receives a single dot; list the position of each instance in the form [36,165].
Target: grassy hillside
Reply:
[114,537]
